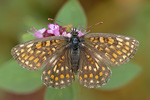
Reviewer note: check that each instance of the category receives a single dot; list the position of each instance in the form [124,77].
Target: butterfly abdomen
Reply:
[75,59]
[75,52]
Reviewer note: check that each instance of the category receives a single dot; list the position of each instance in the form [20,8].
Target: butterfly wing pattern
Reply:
[99,49]
[93,71]
[58,73]
[34,54]
[96,52]
[115,49]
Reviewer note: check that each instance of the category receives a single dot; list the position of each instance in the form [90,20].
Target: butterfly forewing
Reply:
[115,49]
[34,54]
[93,72]
[58,72]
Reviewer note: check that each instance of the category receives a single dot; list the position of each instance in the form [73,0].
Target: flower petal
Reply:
[53,26]
[80,33]
[69,35]
[38,34]
[42,30]
[56,32]
[66,34]
[50,31]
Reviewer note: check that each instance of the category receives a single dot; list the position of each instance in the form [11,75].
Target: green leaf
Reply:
[72,13]
[17,79]
[68,93]
[122,75]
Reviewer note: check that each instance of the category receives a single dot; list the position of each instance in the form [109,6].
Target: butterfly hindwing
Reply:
[58,72]
[34,54]
[115,49]
[93,71]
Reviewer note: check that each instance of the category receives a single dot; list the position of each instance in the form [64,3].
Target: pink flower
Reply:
[53,29]
[80,31]
[66,34]
[62,29]
[46,34]
[39,33]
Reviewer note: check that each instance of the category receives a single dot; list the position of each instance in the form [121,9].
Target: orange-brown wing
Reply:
[93,71]
[58,72]
[34,54]
[115,49]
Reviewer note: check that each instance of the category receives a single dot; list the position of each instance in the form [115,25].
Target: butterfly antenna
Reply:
[55,20]
[59,22]
[94,25]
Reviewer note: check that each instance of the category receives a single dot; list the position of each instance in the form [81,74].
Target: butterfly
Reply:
[88,57]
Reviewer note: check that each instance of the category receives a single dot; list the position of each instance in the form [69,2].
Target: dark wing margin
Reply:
[115,49]
[93,71]
[58,73]
[34,54]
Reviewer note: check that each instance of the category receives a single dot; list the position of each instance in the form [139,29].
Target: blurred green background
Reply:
[126,17]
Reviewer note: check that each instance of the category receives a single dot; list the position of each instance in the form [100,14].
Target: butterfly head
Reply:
[74,32]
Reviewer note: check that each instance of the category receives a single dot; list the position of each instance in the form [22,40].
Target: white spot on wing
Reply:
[56,83]
[27,62]
[21,45]
[96,65]
[95,69]
[62,82]
[66,68]
[91,81]
[57,71]
[28,46]
[127,38]
[62,68]
[55,68]
[90,68]
[44,72]
[119,39]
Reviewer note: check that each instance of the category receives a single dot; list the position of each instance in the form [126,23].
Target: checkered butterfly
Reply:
[87,55]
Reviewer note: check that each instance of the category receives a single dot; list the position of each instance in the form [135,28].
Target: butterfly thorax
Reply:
[75,51]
